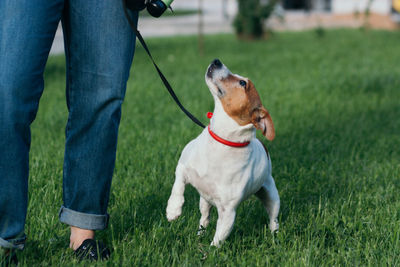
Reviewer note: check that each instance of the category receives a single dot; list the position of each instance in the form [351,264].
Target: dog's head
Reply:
[239,98]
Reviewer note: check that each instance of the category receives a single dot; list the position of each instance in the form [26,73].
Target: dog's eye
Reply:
[242,83]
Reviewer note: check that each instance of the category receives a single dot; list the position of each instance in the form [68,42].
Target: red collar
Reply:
[221,140]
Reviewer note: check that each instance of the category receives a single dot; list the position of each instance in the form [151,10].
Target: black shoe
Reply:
[92,250]
[8,257]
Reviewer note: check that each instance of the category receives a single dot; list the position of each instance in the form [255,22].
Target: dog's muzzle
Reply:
[215,64]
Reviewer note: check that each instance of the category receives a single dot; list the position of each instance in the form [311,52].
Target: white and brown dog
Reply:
[226,163]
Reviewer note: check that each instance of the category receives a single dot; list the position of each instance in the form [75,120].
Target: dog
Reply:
[226,163]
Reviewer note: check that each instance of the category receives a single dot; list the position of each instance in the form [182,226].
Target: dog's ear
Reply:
[262,121]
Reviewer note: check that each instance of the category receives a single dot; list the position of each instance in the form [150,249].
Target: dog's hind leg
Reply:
[226,218]
[205,215]
[268,194]
[175,202]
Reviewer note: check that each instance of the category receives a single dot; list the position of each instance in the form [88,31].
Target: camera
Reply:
[155,7]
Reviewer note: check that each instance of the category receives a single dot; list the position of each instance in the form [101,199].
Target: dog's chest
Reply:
[221,172]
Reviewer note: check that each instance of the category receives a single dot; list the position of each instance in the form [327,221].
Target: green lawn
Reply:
[335,102]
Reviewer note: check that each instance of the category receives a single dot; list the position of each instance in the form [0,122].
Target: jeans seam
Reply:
[68,92]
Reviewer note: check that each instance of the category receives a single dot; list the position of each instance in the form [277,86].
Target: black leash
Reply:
[163,79]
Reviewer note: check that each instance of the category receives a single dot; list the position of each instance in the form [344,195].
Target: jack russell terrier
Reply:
[226,163]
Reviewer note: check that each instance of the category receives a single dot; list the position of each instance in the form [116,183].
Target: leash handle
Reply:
[163,79]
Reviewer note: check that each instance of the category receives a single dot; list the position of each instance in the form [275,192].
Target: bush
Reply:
[252,14]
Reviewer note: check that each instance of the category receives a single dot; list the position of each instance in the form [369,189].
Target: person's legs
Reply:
[27,29]
[99,51]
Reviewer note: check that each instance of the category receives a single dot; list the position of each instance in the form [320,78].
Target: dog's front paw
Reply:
[216,243]
[274,226]
[173,214]
[174,207]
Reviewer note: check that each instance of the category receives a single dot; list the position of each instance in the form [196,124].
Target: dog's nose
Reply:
[217,63]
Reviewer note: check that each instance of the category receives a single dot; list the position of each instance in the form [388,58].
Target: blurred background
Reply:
[223,16]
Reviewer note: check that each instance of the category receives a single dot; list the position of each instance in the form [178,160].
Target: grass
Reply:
[336,157]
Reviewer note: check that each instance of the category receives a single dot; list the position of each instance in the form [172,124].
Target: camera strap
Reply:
[162,77]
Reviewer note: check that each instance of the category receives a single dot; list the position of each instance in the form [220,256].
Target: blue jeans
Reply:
[99,46]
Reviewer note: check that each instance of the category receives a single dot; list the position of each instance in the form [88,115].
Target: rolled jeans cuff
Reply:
[17,243]
[83,220]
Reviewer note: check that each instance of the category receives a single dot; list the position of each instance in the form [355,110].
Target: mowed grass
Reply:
[335,102]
